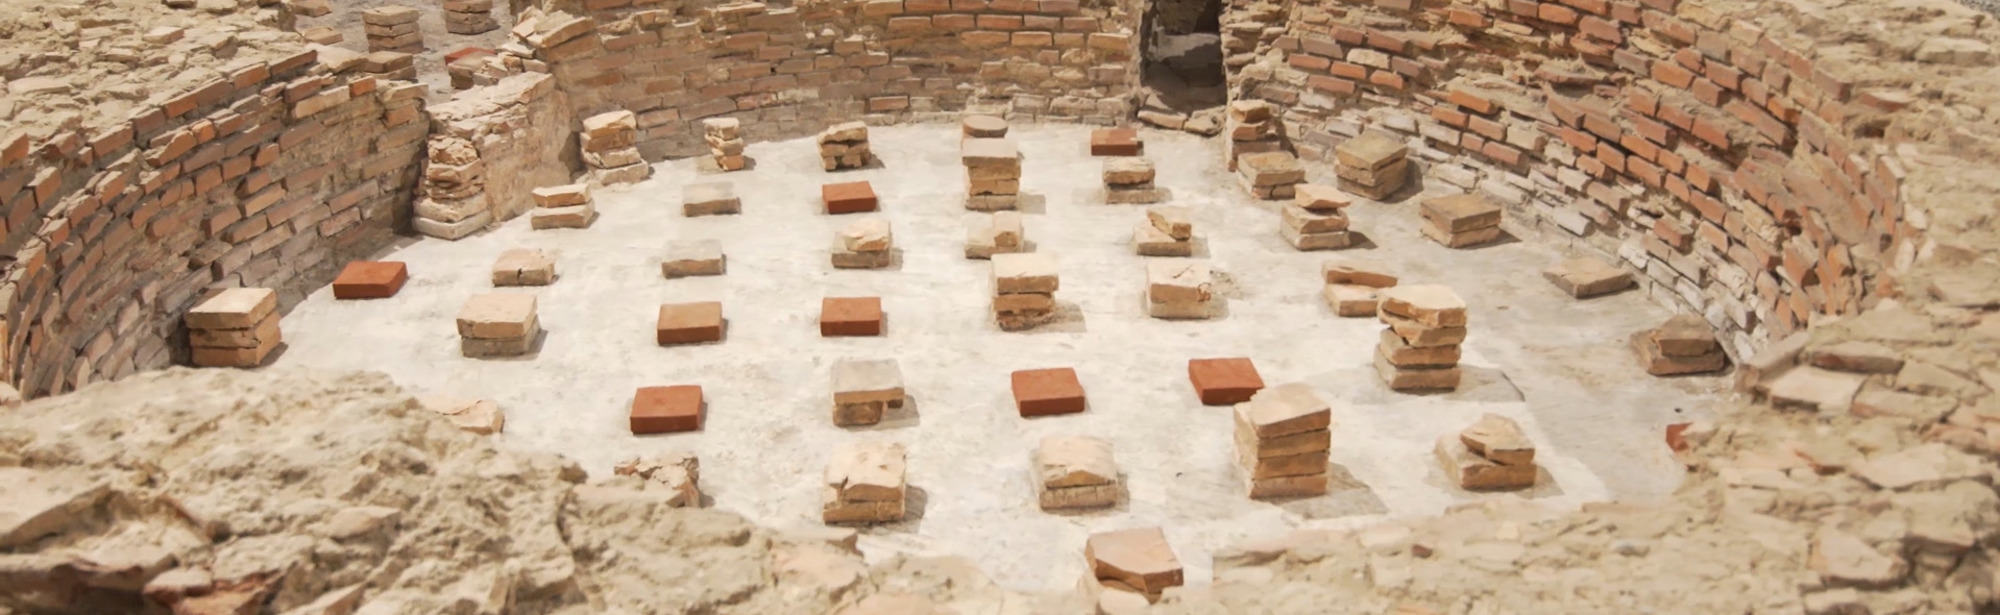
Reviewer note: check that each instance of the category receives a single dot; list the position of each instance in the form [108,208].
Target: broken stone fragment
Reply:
[1138,558]
[1171,281]
[1075,461]
[1025,273]
[479,416]
[1472,472]
[867,235]
[1499,439]
[1284,410]
[1428,304]
[1841,559]
[1174,220]
[44,502]
[1586,277]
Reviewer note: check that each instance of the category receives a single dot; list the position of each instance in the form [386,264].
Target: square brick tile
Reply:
[666,409]
[1115,142]
[1221,382]
[1042,392]
[370,280]
[850,316]
[848,198]
[690,323]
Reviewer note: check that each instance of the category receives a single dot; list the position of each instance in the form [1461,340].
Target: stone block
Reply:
[1460,240]
[846,132]
[991,154]
[1025,273]
[499,316]
[628,174]
[1224,381]
[1587,277]
[477,416]
[1685,335]
[561,196]
[849,197]
[1460,213]
[710,199]
[576,216]
[1500,440]
[1305,221]
[983,127]
[1075,472]
[265,334]
[1043,392]
[1415,378]
[1116,142]
[1149,240]
[1284,410]
[1371,150]
[1024,303]
[865,483]
[1350,300]
[697,257]
[1401,354]
[1138,558]
[1419,334]
[862,381]
[389,15]
[1308,242]
[1177,281]
[668,409]
[611,124]
[850,316]
[1356,272]
[524,267]
[867,235]
[1271,169]
[1129,171]
[1174,220]
[1429,304]
[370,280]
[689,323]
[1118,195]
[1290,486]
[483,348]
[235,308]
[1303,464]
[844,258]
[1320,199]
[1659,363]
[1472,472]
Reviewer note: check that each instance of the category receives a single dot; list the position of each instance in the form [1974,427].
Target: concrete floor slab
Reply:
[1558,366]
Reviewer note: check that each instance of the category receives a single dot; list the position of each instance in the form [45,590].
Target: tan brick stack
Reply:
[1024,287]
[992,172]
[610,148]
[1419,351]
[845,146]
[1682,345]
[1374,165]
[1270,175]
[865,390]
[1073,472]
[1282,437]
[498,325]
[1179,289]
[1000,234]
[1353,288]
[235,328]
[1129,180]
[469,17]
[725,142]
[1168,230]
[864,244]
[1253,128]
[864,483]
[1461,220]
[1316,219]
[569,206]
[393,28]
[1491,455]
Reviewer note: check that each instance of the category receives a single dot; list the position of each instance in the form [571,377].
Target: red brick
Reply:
[1487,128]
[1672,74]
[690,323]
[848,198]
[1387,79]
[850,316]
[1043,392]
[1346,70]
[1467,18]
[370,280]
[1557,13]
[1471,101]
[1332,85]
[666,409]
[1502,153]
[1222,382]
[1305,61]
[1449,116]
[1115,142]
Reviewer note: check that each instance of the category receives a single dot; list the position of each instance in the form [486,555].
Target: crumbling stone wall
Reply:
[489,147]
[789,71]
[269,175]
[1182,16]
[1732,160]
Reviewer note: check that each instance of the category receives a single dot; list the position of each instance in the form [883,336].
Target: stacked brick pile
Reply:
[1253,129]
[1074,472]
[610,147]
[724,136]
[1461,220]
[1129,180]
[568,206]
[1373,165]
[864,390]
[864,483]
[1137,561]
[1492,454]
[1316,219]
[1270,175]
[1179,290]
[498,325]
[1419,351]
[1282,437]
[392,28]
[845,146]
[1353,288]
[1001,234]
[1168,230]
[1684,344]
[235,328]
[864,244]
[469,17]
[992,174]
[1024,287]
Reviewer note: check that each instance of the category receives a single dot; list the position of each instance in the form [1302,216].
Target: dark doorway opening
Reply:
[1182,63]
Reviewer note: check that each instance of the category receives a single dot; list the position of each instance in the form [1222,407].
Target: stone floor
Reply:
[1558,366]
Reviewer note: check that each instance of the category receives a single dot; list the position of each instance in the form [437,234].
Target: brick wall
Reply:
[791,71]
[1716,158]
[271,176]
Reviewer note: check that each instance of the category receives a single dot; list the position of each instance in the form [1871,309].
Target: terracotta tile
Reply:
[690,323]
[1042,392]
[850,316]
[666,409]
[1115,142]
[1221,382]
[848,198]
[370,280]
